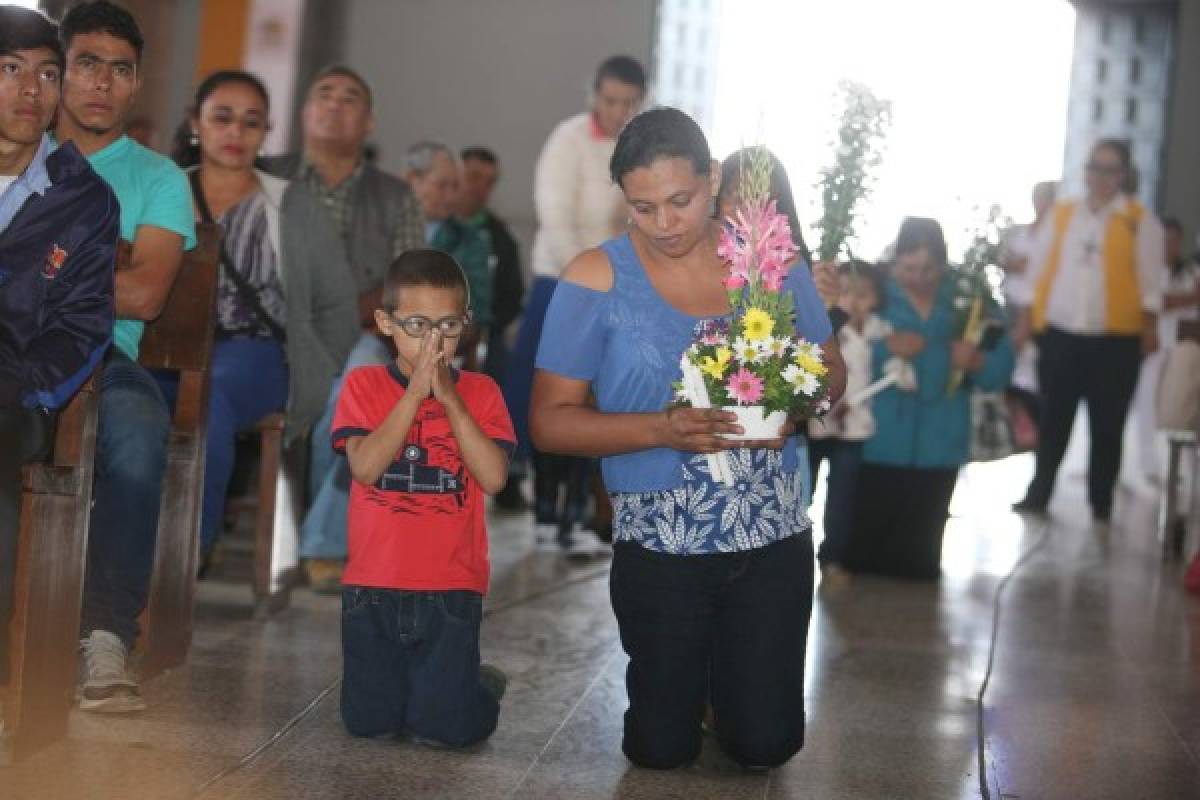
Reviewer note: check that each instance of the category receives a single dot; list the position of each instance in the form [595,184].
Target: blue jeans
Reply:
[323,532]
[845,458]
[411,665]
[249,381]
[131,458]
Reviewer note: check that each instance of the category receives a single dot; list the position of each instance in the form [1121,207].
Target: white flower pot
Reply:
[756,423]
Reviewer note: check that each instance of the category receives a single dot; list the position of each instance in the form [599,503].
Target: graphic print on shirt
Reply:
[428,475]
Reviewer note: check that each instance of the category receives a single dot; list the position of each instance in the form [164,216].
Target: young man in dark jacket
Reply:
[58,238]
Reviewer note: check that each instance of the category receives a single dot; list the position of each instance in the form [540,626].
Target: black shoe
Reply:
[1028,506]
[494,681]
[510,498]
[1102,514]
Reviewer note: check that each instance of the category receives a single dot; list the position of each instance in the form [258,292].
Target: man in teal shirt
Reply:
[103,53]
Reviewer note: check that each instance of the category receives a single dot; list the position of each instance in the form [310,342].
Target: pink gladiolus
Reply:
[758,245]
[745,387]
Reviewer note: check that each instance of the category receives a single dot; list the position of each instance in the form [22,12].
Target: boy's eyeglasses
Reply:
[419,326]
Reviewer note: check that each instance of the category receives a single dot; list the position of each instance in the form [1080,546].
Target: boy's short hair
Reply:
[865,271]
[424,267]
[26,29]
[102,16]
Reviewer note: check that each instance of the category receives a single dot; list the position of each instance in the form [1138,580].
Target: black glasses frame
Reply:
[419,326]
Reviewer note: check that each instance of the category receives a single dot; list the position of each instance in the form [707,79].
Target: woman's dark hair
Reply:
[184,152]
[861,270]
[659,133]
[423,267]
[626,69]
[918,232]
[780,192]
[25,29]
[101,16]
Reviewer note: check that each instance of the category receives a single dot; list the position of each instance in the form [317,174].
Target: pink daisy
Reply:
[745,387]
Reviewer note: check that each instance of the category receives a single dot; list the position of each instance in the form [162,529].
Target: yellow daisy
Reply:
[810,363]
[716,366]
[757,324]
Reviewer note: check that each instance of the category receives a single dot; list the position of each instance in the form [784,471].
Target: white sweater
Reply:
[578,206]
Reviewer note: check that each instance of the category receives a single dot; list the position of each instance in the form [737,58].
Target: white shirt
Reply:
[7,181]
[578,205]
[1077,302]
[1019,243]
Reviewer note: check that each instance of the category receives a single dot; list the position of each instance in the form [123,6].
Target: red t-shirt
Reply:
[423,524]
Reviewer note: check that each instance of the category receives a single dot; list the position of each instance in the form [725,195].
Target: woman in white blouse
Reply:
[1093,298]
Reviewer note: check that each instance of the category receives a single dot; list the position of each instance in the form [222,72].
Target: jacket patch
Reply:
[54,262]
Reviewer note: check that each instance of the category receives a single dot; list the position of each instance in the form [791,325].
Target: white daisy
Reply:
[808,384]
[778,346]
[748,352]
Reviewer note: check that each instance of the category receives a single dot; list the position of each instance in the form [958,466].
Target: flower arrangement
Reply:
[753,363]
[975,283]
[865,120]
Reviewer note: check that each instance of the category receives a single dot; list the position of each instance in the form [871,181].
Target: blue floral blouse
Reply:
[627,342]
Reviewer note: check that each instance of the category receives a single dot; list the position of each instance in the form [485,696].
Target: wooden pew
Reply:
[51,556]
[181,339]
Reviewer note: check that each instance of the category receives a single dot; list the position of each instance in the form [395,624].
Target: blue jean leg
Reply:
[323,532]
[411,665]
[249,381]
[131,458]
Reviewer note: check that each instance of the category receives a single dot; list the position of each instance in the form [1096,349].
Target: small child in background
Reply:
[840,434]
[425,442]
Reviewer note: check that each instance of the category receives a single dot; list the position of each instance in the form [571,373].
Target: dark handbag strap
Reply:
[244,289]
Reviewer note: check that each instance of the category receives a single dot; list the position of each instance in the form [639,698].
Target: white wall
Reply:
[500,73]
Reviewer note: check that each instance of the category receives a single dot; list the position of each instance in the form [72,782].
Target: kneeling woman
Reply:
[921,436]
[711,585]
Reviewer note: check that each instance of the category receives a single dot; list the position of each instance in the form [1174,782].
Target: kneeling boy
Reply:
[424,442]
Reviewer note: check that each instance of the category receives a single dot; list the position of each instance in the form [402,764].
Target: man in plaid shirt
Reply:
[378,219]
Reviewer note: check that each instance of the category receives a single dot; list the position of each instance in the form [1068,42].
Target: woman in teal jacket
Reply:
[922,435]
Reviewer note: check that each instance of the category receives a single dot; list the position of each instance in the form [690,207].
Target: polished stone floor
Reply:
[1095,689]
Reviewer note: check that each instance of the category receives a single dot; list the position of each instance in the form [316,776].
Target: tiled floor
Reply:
[1095,691]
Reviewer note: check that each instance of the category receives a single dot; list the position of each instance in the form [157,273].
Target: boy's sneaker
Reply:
[579,542]
[107,685]
[494,681]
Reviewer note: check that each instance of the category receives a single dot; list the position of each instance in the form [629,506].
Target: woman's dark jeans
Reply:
[411,665]
[729,628]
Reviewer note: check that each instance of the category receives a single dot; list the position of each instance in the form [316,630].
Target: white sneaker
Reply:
[107,686]
[584,543]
